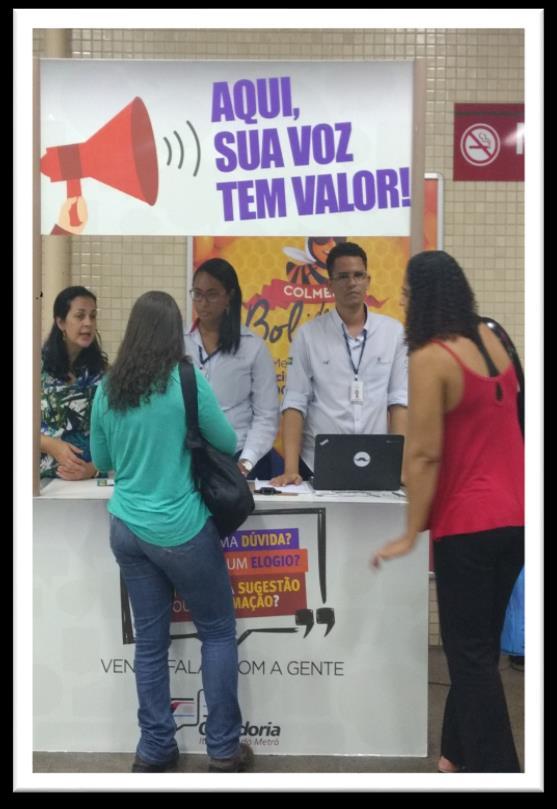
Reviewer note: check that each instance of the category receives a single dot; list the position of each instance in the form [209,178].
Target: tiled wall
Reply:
[483,222]
[121,268]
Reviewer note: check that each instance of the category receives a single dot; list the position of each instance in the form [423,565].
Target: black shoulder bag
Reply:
[216,475]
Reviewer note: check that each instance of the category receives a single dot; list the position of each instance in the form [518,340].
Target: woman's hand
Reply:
[63,452]
[392,549]
[86,471]
[70,465]
[245,472]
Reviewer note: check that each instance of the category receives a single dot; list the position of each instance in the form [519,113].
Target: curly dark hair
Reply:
[441,303]
[345,249]
[229,329]
[153,343]
[55,357]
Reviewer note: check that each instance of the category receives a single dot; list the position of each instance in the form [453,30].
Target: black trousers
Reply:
[475,575]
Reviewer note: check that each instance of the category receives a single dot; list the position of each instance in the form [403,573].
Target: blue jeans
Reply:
[196,570]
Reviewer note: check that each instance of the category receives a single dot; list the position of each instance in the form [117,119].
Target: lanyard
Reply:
[202,361]
[354,367]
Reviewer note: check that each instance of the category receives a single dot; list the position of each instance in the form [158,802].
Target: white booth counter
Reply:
[332,654]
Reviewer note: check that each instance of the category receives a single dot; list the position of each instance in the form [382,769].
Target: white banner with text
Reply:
[226,147]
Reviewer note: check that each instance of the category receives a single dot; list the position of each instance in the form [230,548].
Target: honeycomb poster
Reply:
[284,278]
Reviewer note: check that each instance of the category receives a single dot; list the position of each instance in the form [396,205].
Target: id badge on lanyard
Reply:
[356,392]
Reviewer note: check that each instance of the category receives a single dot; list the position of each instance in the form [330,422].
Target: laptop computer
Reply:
[357,462]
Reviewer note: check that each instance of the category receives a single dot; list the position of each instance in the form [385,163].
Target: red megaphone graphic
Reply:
[122,154]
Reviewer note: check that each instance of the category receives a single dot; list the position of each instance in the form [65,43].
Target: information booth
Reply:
[332,653]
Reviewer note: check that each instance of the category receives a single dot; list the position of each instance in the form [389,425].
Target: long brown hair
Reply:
[152,345]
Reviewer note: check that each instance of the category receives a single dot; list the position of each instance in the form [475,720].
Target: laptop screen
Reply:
[358,462]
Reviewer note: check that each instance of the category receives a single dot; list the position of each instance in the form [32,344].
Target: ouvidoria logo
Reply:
[255,735]
[189,711]
[192,711]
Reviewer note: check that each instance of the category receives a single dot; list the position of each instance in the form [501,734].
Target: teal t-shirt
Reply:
[154,493]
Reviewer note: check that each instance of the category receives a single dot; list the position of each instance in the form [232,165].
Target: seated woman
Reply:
[236,363]
[72,367]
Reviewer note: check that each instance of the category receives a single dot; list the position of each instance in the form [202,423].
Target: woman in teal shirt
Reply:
[162,534]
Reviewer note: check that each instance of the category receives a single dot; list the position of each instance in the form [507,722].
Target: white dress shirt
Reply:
[245,385]
[320,376]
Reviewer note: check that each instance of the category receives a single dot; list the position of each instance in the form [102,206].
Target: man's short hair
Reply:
[345,249]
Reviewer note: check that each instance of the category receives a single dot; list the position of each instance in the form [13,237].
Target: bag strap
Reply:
[189,392]
[510,348]
[491,367]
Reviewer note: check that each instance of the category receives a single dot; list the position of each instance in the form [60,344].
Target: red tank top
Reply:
[481,475]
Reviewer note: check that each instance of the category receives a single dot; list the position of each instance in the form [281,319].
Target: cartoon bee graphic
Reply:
[313,269]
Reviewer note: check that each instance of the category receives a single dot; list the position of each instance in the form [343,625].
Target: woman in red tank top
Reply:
[464,471]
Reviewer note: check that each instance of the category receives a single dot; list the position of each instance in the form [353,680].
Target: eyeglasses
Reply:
[344,277]
[211,296]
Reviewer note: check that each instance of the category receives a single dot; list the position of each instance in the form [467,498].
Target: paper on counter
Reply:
[300,488]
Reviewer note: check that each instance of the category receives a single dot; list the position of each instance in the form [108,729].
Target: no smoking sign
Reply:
[480,144]
[489,142]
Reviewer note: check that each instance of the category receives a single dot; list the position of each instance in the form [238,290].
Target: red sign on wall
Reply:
[489,142]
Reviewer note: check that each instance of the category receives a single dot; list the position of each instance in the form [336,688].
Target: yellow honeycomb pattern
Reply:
[258,260]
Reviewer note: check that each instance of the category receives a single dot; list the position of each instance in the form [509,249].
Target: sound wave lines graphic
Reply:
[181,149]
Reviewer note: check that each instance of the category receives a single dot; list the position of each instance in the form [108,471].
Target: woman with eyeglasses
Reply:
[236,363]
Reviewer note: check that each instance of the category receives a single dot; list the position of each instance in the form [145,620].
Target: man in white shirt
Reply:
[348,369]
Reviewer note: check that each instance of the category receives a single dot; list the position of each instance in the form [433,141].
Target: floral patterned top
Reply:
[66,413]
